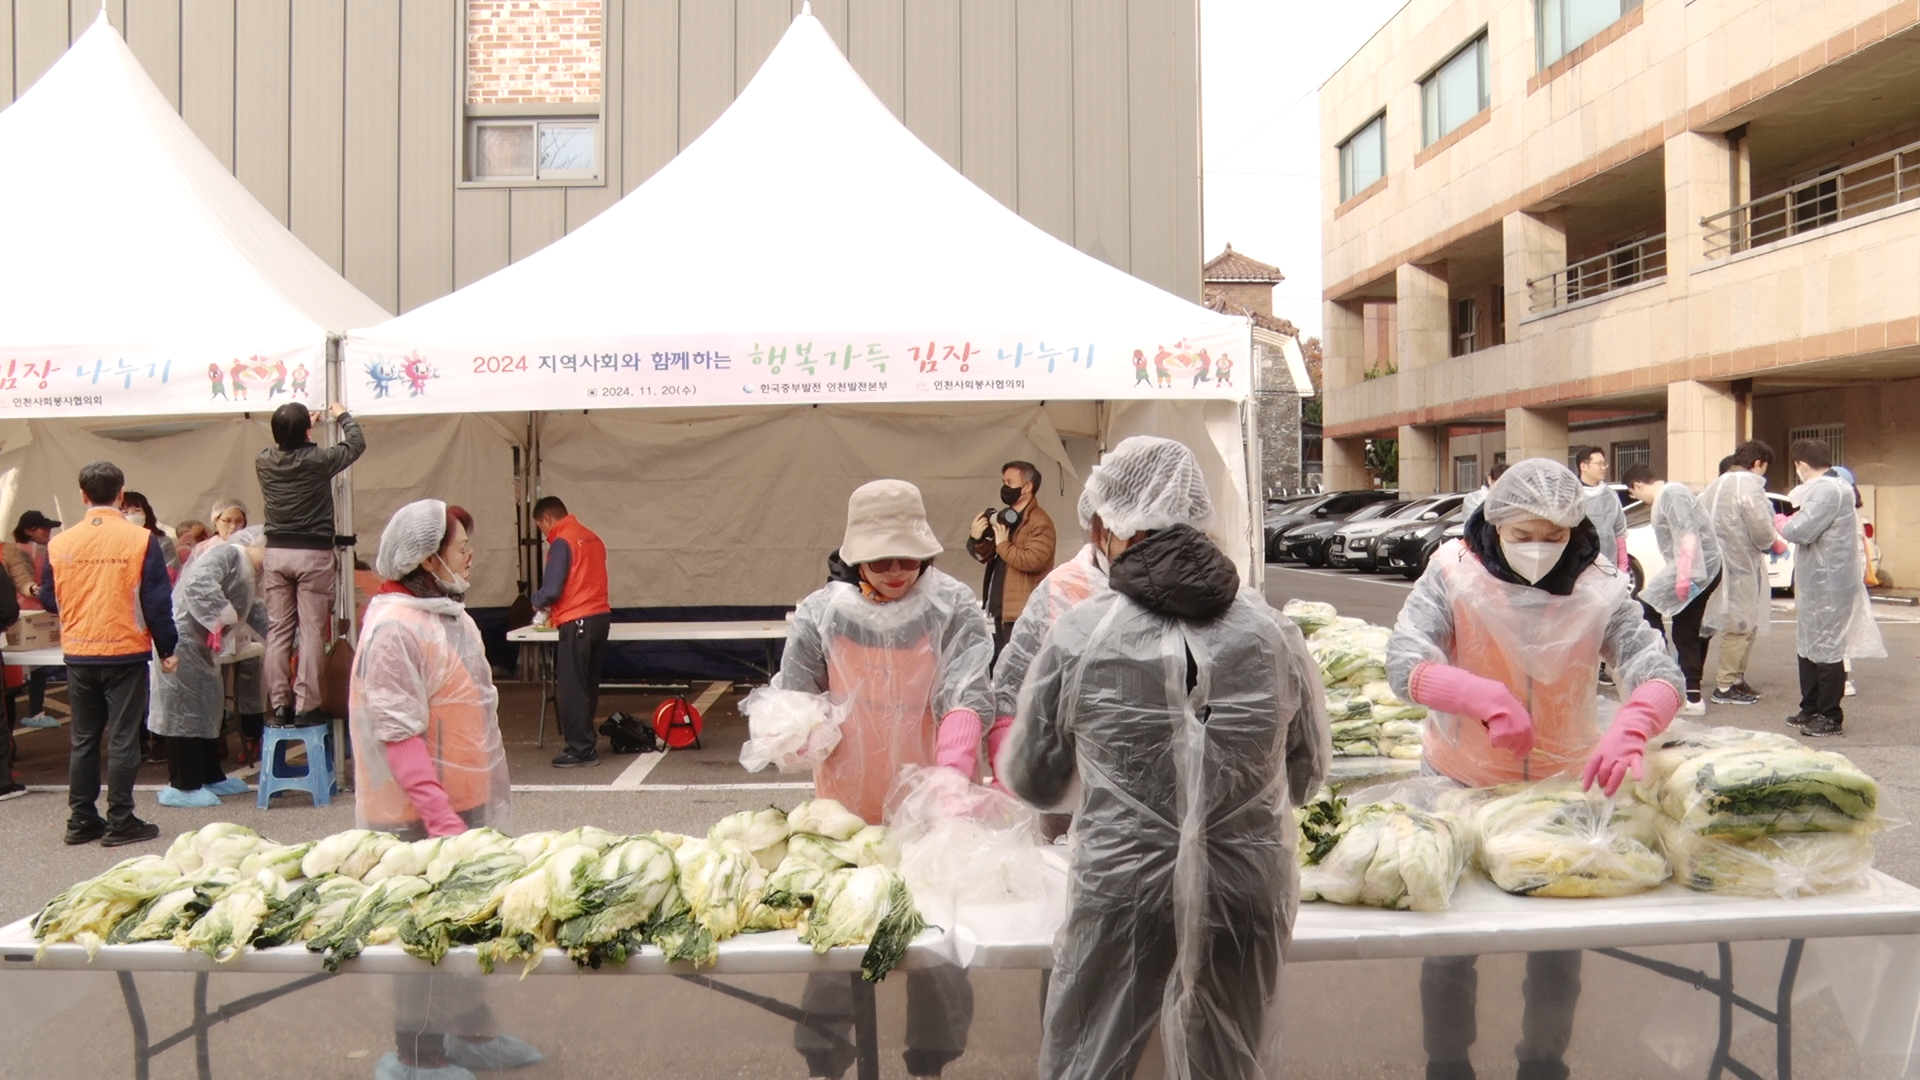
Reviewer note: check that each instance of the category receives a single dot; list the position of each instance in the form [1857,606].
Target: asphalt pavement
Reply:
[1343,1020]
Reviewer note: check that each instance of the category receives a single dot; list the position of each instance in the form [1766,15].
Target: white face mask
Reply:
[457,586]
[137,518]
[1532,560]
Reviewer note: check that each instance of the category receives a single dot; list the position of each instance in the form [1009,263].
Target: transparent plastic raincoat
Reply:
[1180,747]
[1684,531]
[1069,583]
[1835,620]
[900,666]
[216,591]
[1742,520]
[1608,517]
[421,670]
[1546,649]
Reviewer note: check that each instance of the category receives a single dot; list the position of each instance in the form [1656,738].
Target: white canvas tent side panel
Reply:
[140,277]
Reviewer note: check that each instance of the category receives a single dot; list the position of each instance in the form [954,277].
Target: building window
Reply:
[1562,26]
[1363,158]
[1497,325]
[1466,472]
[1626,455]
[1466,326]
[1455,93]
[1834,435]
[533,91]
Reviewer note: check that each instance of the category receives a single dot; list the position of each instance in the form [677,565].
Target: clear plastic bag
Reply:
[963,842]
[1737,784]
[1392,850]
[789,729]
[1787,865]
[1553,839]
[1309,615]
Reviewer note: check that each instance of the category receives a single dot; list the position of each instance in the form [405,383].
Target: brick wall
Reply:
[533,52]
[1276,410]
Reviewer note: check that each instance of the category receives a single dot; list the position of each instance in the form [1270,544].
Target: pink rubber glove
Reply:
[1463,693]
[1779,522]
[1683,572]
[957,746]
[412,769]
[1622,749]
[1620,553]
[996,738]
[215,636]
[1779,545]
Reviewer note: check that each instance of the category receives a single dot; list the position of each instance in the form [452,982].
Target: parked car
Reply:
[1643,551]
[1356,545]
[1407,548]
[1334,506]
[1308,543]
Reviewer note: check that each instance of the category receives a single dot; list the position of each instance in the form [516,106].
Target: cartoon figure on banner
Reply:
[218,377]
[1187,360]
[300,381]
[1161,376]
[1140,368]
[418,373]
[1206,364]
[238,376]
[381,377]
[279,380]
[1223,370]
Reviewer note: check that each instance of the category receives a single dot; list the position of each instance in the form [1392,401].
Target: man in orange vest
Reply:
[573,597]
[107,579]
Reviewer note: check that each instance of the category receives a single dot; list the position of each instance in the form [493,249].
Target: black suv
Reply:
[1334,506]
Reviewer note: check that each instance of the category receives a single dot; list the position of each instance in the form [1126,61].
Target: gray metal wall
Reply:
[341,115]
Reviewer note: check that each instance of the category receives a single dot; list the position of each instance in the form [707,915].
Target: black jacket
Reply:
[1177,572]
[298,487]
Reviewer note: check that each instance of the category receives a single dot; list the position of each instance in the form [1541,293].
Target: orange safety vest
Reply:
[97,566]
[460,736]
[1543,648]
[585,592]
[891,723]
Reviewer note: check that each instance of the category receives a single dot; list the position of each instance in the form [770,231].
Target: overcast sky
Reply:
[1261,62]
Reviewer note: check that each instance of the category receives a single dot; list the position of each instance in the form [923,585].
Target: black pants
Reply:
[109,704]
[1687,639]
[1002,633]
[939,1015]
[577,670]
[6,745]
[1449,986]
[193,763]
[1821,687]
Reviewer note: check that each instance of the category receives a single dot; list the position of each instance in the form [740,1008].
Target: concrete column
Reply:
[1423,454]
[1342,344]
[1538,433]
[1699,182]
[1702,422]
[1425,324]
[1344,464]
[1533,245]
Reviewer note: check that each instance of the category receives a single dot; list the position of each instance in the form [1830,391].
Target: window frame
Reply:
[469,116]
[1627,453]
[550,178]
[1469,461]
[1833,434]
[1347,187]
[1540,8]
[1429,89]
[1466,326]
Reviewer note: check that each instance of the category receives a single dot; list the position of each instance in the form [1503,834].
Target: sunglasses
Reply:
[893,566]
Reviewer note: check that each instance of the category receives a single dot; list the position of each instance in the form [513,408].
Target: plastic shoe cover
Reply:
[229,786]
[498,1054]
[40,720]
[197,799]
[390,1068]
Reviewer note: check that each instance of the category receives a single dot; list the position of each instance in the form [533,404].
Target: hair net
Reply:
[1085,508]
[415,532]
[1148,483]
[221,506]
[1536,488]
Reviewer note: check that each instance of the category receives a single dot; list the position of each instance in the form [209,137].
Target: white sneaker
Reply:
[1849,691]
[1694,707]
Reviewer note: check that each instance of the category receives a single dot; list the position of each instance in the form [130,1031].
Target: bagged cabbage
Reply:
[871,906]
[464,907]
[229,926]
[1310,616]
[88,911]
[789,729]
[1785,865]
[764,832]
[962,841]
[314,905]
[1379,854]
[1727,783]
[1553,839]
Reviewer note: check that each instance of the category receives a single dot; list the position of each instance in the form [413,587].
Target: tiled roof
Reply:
[1230,265]
[1217,300]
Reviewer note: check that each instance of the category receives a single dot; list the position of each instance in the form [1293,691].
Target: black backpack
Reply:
[628,735]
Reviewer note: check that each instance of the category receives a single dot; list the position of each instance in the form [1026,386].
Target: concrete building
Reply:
[1659,226]
[418,145]
[1238,285]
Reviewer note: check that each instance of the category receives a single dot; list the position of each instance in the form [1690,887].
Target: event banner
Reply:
[384,377]
[154,381]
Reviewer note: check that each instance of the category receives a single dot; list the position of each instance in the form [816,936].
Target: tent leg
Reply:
[346,622]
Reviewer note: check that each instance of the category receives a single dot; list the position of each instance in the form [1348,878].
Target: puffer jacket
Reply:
[298,487]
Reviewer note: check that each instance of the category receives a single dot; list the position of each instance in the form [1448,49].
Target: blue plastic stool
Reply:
[277,775]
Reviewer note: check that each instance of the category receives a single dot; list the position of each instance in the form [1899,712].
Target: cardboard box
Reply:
[35,630]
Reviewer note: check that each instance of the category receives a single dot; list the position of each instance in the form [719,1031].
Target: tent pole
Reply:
[347,610]
[1256,481]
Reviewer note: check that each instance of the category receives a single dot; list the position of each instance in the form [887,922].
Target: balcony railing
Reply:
[1873,184]
[1629,264]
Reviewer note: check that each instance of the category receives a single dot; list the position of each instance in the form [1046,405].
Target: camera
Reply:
[1005,515]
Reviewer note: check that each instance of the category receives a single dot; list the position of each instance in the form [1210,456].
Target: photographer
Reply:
[1016,544]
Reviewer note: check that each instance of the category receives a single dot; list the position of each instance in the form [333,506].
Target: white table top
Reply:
[55,658]
[669,631]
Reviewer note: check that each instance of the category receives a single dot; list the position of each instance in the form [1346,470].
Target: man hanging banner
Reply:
[156,381]
[799,368]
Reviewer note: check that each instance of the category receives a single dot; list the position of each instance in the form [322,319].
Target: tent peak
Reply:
[806,6]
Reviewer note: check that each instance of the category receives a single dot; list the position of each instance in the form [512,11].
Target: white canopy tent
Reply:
[903,323]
